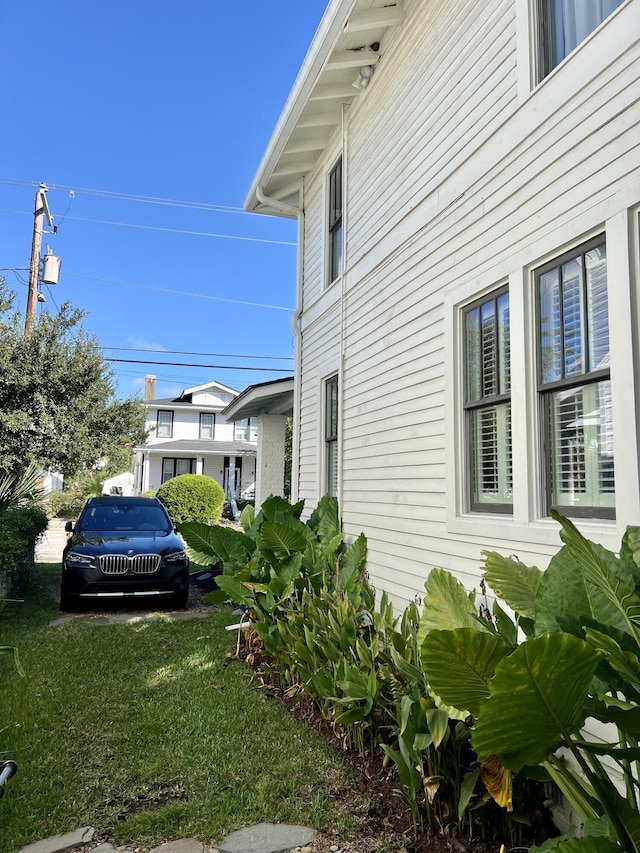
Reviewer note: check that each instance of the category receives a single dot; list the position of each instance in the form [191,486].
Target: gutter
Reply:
[329,29]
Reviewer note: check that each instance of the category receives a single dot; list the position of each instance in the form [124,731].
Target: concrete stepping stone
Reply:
[60,843]
[184,845]
[267,838]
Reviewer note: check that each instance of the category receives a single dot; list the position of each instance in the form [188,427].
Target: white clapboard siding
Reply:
[454,183]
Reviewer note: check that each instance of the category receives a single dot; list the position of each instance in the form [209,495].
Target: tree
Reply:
[58,405]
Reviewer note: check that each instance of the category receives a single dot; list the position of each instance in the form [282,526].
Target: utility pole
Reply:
[41,210]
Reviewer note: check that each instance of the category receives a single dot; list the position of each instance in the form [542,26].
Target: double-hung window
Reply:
[564,24]
[487,358]
[331,435]
[207,425]
[175,467]
[574,382]
[335,223]
[164,426]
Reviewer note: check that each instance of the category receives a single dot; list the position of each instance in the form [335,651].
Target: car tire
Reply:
[68,603]
[179,599]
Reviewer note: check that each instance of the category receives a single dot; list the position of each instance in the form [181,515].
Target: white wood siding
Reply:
[454,187]
[186,425]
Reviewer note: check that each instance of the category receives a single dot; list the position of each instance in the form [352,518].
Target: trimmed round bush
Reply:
[192,497]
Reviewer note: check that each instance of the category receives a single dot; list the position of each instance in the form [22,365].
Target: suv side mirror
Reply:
[69,527]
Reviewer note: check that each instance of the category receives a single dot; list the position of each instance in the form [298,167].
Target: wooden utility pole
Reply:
[41,210]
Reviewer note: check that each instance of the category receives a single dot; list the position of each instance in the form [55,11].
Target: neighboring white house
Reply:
[189,435]
[466,179]
[270,404]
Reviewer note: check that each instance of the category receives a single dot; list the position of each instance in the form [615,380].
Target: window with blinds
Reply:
[487,358]
[164,424]
[574,382]
[331,435]
[207,425]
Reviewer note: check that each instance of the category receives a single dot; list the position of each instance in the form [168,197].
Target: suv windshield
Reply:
[124,516]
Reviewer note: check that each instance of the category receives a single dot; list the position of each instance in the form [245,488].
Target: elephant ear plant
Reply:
[277,557]
[571,652]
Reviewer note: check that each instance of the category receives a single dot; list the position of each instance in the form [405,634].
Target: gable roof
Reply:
[265,398]
[187,393]
[350,36]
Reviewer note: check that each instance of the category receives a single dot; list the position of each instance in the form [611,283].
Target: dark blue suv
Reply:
[123,549]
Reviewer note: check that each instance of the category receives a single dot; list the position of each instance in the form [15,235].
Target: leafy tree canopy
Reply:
[58,405]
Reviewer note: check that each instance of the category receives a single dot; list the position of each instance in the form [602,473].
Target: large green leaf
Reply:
[353,562]
[217,544]
[626,664]
[198,544]
[578,845]
[613,600]
[630,554]
[625,715]
[458,665]
[561,591]
[536,699]
[325,519]
[513,582]
[276,508]
[237,592]
[282,538]
[446,605]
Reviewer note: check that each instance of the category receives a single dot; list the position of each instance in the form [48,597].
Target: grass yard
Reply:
[144,732]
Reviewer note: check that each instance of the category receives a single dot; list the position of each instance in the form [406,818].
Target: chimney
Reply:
[149,387]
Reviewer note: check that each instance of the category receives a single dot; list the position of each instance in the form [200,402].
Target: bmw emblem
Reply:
[130,551]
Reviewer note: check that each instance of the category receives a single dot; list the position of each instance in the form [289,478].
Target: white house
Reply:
[189,435]
[270,405]
[466,179]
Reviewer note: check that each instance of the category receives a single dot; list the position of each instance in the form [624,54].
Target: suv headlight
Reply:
[78,559]
[176,557]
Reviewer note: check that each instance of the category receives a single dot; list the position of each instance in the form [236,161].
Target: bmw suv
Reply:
[123,549]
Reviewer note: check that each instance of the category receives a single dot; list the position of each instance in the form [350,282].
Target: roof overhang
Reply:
[350,37]
[267,398]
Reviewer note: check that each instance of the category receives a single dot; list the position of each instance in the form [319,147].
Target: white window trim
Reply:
[328,282]
[321,408]
[614,36]
[527,523]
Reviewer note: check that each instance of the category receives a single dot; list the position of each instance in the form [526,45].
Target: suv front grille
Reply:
[119,564]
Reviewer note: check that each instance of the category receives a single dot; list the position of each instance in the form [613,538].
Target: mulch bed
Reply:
[389,818]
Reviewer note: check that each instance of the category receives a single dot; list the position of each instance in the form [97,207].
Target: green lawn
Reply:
[144,732]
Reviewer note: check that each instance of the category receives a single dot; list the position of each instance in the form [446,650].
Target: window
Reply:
[164,428]
[174,467]
[574,382]
[331,435]
[207,425]
[564,24]
[335,222]
[487,358]
[245,430]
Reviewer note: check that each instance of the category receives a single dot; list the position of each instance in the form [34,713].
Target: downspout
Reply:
[298,212]
[343,288]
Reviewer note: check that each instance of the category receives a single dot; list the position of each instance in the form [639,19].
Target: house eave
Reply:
[348,37]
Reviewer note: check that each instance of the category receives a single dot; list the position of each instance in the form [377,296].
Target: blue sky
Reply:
[169,101]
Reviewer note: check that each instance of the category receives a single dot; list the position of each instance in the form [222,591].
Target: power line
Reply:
[203,366]
[180,292]
[170,230]
[145,199]
[208,354]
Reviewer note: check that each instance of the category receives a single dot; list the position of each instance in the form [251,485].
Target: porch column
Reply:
[199,464]
[270,457]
